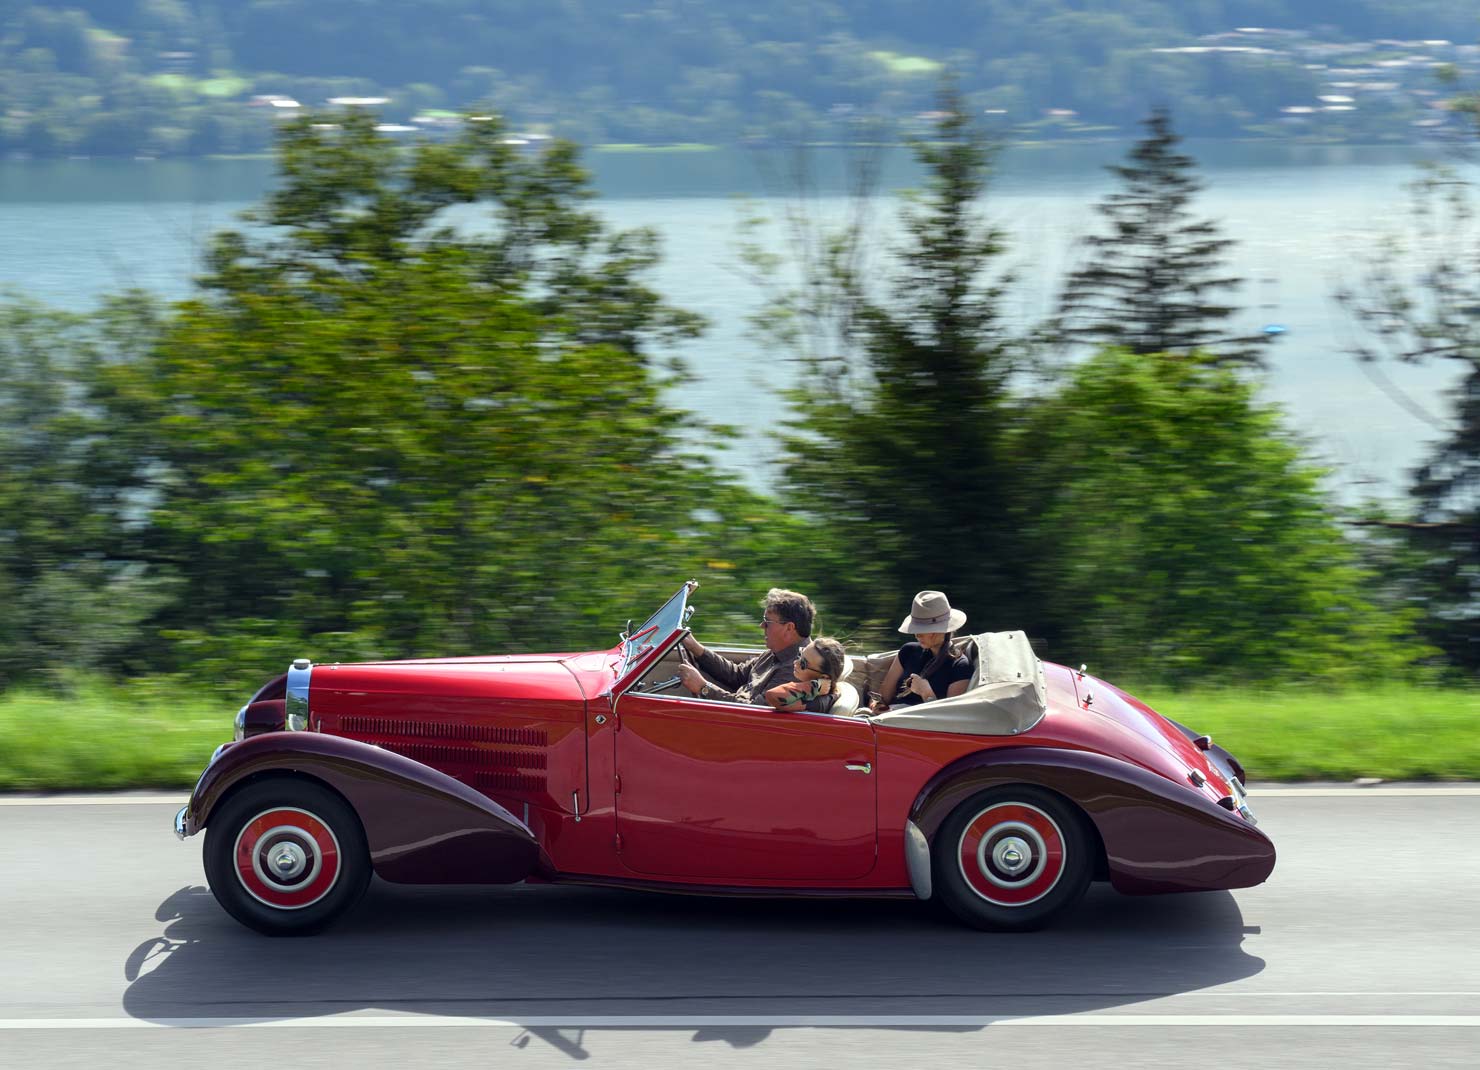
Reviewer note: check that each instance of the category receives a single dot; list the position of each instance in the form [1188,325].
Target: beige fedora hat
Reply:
[931,612]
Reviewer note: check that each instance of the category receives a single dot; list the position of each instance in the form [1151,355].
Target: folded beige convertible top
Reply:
[1007,695]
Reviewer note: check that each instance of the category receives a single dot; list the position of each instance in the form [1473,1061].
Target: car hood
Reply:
[571,677]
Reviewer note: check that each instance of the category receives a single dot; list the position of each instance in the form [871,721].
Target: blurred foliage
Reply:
[900,413]
[1418,301]
[380,431]
[1138,510]
[423,407]
[1179,535]
[125,77]
[69,601]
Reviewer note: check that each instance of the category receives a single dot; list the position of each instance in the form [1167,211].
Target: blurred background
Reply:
[377,329]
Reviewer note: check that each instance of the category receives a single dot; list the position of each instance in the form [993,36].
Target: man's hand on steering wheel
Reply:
[690,677]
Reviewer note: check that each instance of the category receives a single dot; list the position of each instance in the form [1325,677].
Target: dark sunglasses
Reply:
[802,661]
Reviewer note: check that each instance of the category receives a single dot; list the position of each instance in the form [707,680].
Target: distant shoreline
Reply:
[699,148]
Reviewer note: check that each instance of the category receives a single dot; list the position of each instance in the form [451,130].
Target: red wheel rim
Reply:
[287,858]
[1011,854]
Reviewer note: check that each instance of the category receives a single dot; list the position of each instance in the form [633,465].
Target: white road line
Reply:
[1255,794]
[782,1021]
[179,799]
[1349,793]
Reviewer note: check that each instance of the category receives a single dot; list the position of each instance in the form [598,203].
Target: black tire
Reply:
[1012,859]
[301,869]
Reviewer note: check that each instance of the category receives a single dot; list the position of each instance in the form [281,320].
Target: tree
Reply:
[73,600]
[404,433]
[1149,285]
[1418,303]
[1179,536]
[903,399]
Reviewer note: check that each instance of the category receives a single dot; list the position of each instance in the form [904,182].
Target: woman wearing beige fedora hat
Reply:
[926,669]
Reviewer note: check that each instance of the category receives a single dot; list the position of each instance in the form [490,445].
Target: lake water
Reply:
[1303,216]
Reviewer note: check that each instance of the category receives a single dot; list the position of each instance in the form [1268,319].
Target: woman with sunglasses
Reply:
[926,669]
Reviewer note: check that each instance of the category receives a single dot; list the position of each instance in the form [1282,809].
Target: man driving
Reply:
[786,618]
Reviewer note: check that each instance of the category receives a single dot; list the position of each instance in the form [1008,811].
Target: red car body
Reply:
[554,768]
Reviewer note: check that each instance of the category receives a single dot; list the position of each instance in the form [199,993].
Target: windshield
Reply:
[657,628]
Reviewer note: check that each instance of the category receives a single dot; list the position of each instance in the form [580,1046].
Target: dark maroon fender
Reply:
[423,827]
[1158,836]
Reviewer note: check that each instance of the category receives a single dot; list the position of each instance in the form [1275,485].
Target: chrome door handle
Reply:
[859,767]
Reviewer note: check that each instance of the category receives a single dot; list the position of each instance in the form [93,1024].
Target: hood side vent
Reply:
[497,781]
[472,733]
[432,754]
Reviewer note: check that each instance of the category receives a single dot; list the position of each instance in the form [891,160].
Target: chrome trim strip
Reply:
[180,823]
[296,703]
[917,857]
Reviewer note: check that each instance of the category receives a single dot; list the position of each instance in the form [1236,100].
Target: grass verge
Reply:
[1396,732]
[98,736]
[159,735]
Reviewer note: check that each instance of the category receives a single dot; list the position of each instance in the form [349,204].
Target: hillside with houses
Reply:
[169,77]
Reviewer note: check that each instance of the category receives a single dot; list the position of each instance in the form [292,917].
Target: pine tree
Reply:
[1150,284]
[1418,302]
[904,404]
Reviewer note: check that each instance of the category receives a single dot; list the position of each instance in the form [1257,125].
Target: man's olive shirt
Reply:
[748,681]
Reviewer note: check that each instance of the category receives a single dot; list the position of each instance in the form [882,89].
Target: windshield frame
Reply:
[657,631]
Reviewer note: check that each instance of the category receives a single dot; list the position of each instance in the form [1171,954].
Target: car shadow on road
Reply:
[529,952]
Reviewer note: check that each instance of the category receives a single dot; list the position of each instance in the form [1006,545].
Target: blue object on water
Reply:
[1275,328]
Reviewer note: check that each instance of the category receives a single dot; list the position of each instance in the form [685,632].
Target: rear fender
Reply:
[1158,836]
[422,826]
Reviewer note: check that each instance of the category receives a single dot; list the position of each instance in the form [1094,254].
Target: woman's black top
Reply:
[913,658]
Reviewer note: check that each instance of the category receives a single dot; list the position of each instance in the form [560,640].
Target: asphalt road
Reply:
[1363,950]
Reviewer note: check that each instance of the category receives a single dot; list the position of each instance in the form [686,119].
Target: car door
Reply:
[741,793]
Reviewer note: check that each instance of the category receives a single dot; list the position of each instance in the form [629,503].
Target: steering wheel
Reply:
[674,680]
[661,685]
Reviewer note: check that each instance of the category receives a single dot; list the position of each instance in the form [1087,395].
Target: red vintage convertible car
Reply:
[1002,803]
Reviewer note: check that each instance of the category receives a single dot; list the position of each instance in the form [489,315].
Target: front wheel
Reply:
[1012,859]
[286,857]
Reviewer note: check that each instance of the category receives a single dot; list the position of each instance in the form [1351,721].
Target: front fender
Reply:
[422,826]
[1158,835]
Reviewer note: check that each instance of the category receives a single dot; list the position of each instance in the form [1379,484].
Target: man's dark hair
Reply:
[788,605]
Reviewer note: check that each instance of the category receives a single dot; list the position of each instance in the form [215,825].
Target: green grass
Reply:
[154,735]
[1397,732]
[159,734]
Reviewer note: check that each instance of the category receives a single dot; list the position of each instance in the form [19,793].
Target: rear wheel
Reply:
[1012,859]
[286,857]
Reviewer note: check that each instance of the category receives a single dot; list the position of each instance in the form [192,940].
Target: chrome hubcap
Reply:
[287,860]
[1012,855]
